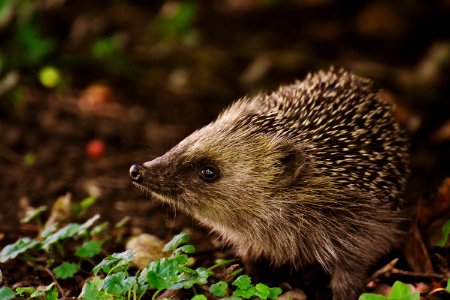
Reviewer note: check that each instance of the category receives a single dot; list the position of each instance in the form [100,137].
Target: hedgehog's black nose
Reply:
[136,173]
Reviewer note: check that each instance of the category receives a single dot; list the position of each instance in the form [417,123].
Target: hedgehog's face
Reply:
[224,177]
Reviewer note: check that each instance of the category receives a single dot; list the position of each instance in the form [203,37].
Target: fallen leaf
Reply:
[437,207]
[147,248]
[416,252]
[60,212]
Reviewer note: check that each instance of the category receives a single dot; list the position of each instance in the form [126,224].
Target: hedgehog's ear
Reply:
[293,162]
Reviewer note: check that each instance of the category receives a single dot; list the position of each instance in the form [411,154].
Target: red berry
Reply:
[95,149]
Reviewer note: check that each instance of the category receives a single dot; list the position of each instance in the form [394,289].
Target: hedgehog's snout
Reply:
[136,173]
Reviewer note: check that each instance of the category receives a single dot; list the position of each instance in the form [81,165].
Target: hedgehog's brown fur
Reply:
[313,172]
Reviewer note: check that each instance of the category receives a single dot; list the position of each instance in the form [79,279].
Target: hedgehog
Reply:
[313,173]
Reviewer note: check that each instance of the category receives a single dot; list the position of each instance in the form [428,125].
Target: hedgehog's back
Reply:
[343,125]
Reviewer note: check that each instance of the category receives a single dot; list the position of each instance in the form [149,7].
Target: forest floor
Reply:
[160,82]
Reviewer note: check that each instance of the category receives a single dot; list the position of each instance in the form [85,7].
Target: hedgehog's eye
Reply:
[209,173]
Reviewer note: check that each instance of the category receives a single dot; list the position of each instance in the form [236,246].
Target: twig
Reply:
[390,268]
[58,287]
[385,269]
[435,291]
[416,274]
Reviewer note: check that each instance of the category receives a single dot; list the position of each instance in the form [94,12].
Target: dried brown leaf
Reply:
[416,252]
[60,212]
[437,207]
[147,247]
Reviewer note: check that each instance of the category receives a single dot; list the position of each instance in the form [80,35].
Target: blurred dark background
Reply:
[88,87]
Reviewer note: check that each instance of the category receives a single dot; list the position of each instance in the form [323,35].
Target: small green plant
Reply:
[65,270]
[48,252]
[400,291]
[168,274]
[219,289]
[49,292]
[246,290]
[68,250]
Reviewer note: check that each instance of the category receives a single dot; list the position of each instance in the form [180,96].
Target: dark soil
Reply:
[171,89]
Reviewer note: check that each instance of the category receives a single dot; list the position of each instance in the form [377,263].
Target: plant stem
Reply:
[156,294]
[222,263]
[58,287]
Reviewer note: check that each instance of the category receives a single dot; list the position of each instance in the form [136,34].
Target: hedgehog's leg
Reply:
[347,283]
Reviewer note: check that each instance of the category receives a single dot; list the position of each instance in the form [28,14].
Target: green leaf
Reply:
[88,249]
[28,289]
[181,259]
[38,293]
[445,232]
[246,294]
[158,282]
[219,289]
[52,294]
[371,296]
[401,291]
[92,290]
[448,286]
[245,289]
[163,273]
[199,297]
[48,231]
[275,292]
[20,246]
[88,223]
[222,262]
[262,291]
[118,283]
[68,231]
[65,270]
[188,277]
[243,282]
[43,291]
[99,228]
[6,293]
[173,273]
[31,214]
[118,261]
[86,203]
[177,240]
[187,249]
[80,208]
[203,272]
[202,275]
